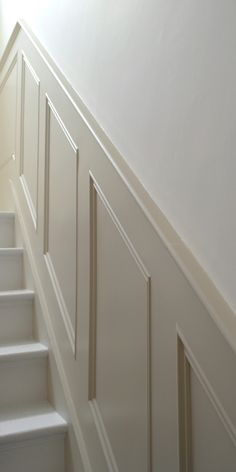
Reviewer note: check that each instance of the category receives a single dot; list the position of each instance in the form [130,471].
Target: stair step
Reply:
[32,439]
[16,295]
[11,269]
[23,351]
[23,374]
[43,454]
[16,316]
[31,423]
[7,224]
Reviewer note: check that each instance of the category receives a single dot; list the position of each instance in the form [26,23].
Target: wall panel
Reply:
[207,436]
[120,340]
[60,238]
[213,447]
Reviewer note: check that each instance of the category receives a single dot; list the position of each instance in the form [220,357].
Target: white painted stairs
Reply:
[32,433]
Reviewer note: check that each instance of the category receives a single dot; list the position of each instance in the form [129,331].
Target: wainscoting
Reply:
[144,343]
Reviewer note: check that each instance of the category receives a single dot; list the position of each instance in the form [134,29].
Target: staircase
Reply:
[32,433]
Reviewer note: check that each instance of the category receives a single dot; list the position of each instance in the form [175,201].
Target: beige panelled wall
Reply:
[146,344]
[159,77]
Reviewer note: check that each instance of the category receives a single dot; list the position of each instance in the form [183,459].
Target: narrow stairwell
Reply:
[32,433]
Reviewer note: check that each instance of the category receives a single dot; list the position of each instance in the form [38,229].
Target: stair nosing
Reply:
[16,295]
[11,251]
[57,425]
[18,354]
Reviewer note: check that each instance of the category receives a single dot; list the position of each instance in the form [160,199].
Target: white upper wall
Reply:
[159,76]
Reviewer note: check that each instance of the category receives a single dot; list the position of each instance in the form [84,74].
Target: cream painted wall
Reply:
[159,75]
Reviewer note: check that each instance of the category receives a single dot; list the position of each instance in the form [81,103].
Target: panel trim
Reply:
[32,208]
[70,329]
[184,402]
[3,82]
[96,191]
[8,72]
[186,362]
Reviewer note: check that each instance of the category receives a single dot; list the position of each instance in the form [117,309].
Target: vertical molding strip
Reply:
[70,327]
[22,114]
[93,291]
[46,175]
[184,393]
[33,209]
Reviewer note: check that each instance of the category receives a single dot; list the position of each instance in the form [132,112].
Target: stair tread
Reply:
[11,251]
[26,350]
[36,420]
[23,294]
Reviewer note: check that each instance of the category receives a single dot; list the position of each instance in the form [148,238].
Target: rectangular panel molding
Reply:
[187,367]
[185,443]
[61,217]
[100,315]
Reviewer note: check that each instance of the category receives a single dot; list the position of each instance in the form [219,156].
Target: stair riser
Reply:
[22,382]
[32,434]
[6,231]
[16,322]
[11,272]
[39,455]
